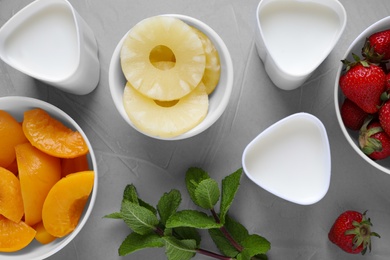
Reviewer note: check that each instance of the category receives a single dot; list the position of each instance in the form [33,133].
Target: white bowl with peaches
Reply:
[171,77]
[48,179]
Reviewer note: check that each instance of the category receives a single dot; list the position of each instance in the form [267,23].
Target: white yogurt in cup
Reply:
[295,36]
[49,41]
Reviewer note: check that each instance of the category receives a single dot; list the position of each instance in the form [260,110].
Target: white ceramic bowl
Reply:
[16,106]
[352,136]
[282,42]
[291,159]
[218,100]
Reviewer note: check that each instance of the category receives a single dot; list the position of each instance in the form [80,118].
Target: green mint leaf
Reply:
[243,256]
[222,243]
[135,242]
[260,257]
[148,206]
[236,230]
[187,233]
[179,249]
[191,218]
[141,220]
[168,204]
[193,177]
[255,244]
[230,186]
[168,231]
[130,194]
[207,193]
[115,215]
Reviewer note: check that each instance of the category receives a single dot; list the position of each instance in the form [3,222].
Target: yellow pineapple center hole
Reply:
[170,103]
[162,57]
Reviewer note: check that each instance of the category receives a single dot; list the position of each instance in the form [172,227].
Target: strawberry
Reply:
[374,141]
[363,83]
[384,117]
[351,232]
[380,42]
[388,82]
[353,116]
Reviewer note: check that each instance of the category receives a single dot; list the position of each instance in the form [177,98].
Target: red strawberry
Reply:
[351,232]
[380,42]
[352,115]
[374,141]
[388,82]
[364,85]
[384,117]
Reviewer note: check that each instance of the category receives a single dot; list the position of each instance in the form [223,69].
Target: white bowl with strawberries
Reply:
[171,77]
[362,99]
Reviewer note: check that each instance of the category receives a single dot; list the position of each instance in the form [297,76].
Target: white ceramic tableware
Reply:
[218,100]
[48,40]
[293,37]
[291,159]
[16,105]
[352,136]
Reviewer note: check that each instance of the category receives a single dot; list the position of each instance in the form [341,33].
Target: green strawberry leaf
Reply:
[187,233]
[140,219]
[115,215]
[193,177]
[255,244]
[135,242]
[179,249]
[191,218]
[230,186]
[207,193]
[168,204]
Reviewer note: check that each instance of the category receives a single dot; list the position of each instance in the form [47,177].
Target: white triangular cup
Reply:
[82,76]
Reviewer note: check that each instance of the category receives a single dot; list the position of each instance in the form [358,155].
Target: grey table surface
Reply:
[125,156]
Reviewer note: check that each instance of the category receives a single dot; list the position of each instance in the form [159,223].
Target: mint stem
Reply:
[226,232]
[211,254]
[215,215]
[159,231]
[231,239]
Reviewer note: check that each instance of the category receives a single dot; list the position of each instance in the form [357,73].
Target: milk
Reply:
[297,33]
[46,44]
[290,160]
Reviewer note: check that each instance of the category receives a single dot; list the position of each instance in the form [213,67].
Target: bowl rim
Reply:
[378,25]
[62,242]
[211,118]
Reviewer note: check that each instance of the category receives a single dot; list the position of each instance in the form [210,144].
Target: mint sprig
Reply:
[177,230]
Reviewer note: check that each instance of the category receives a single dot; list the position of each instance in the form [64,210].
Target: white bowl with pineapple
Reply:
[171,77]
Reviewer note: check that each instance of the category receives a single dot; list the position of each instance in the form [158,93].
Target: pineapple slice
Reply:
[148,43]
[213,66]
[169,118]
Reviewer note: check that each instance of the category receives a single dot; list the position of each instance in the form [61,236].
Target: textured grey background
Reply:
[125,156]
